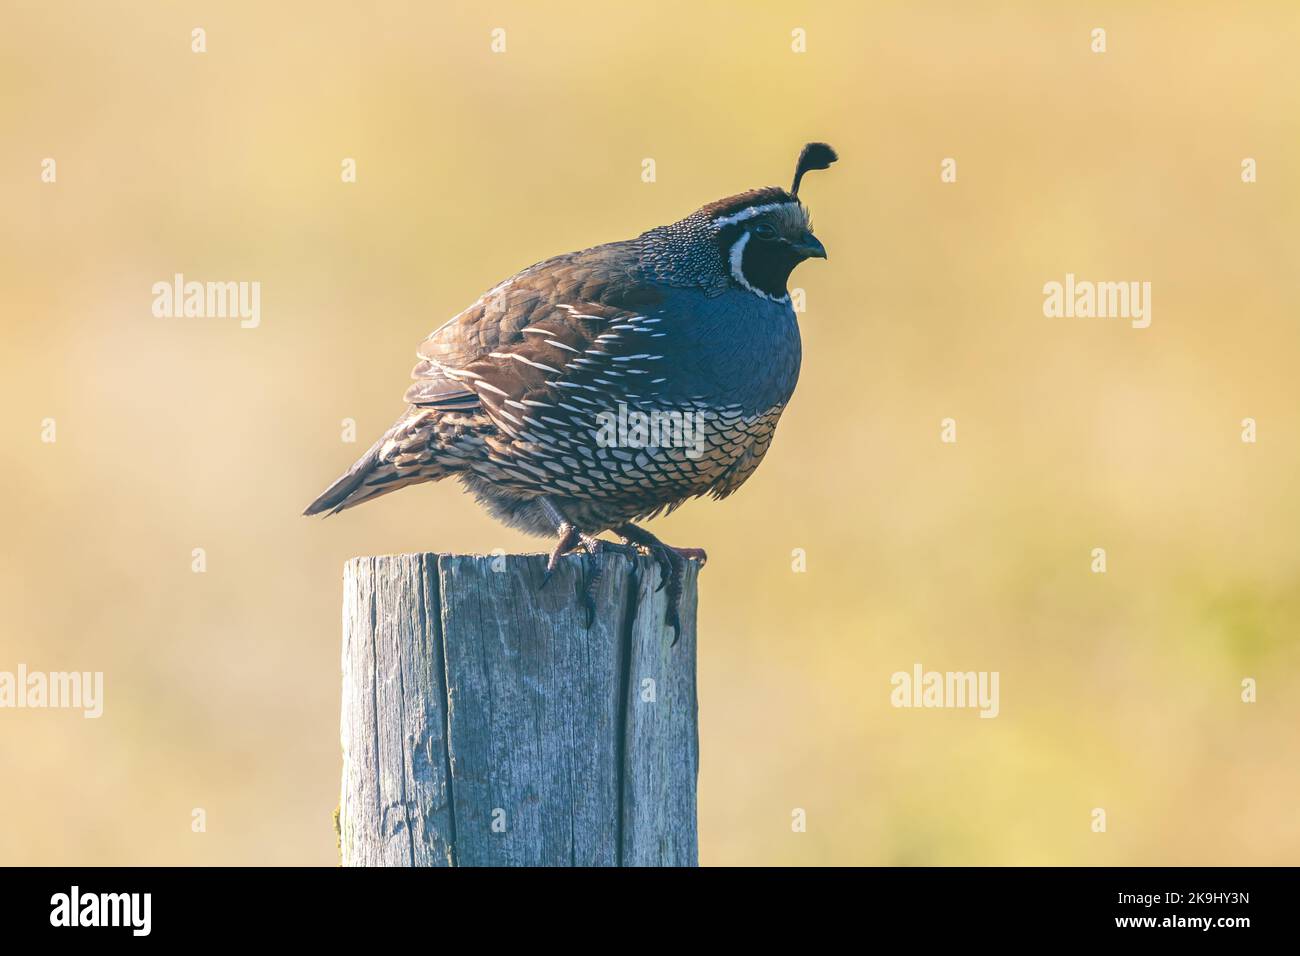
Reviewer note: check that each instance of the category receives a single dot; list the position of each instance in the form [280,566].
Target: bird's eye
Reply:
[765,231]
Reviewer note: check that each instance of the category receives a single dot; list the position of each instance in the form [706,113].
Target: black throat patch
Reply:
[764,265]
[767,266]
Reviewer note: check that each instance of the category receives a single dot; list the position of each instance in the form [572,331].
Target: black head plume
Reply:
[813,156]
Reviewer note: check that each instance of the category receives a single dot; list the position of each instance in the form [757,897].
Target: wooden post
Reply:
[484,725]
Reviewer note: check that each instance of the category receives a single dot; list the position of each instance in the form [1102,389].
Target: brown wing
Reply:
[540,358]
[515,380]
[567,323]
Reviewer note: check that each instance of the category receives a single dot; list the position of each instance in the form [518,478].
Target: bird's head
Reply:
[763,234]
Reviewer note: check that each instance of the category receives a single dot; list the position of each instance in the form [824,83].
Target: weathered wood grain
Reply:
[484,725]
[662,707]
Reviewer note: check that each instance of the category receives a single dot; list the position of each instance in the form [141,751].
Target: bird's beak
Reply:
[810,247]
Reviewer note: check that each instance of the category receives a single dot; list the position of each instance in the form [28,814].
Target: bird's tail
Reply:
[377,472]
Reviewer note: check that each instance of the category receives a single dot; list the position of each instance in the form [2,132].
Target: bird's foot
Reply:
[672,565]
[573,541]
[692,554]
[595,547]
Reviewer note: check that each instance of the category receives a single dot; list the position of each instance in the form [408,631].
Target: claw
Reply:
[672,565]
[672,616]
[666,568]
[587,594]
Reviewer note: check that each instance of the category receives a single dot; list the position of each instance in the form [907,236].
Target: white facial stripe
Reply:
[737,257]
[749,213]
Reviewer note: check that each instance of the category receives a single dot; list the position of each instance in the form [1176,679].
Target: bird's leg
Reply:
[567,531]
[595,547]
[572,539]
[552,514]
[569,536]
[672,565]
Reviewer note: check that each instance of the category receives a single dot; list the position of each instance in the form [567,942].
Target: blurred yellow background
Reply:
[1118,690]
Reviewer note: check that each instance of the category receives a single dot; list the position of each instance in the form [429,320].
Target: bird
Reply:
[598,389]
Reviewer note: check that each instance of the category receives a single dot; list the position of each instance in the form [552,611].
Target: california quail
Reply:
[608,386]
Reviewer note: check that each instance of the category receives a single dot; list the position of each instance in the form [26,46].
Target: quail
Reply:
[604,387]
